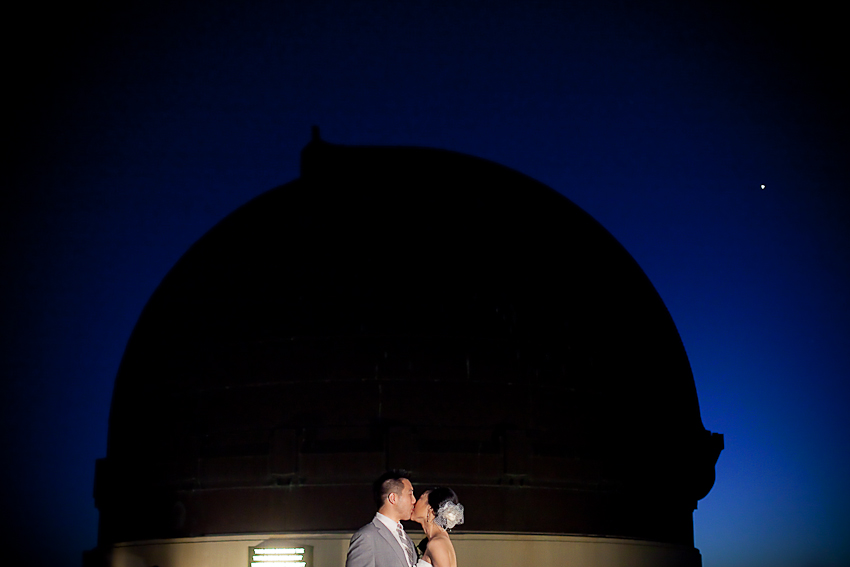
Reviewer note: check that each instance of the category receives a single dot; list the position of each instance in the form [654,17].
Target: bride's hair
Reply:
[447,509]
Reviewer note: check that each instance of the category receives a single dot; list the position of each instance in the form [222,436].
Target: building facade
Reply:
[404,308]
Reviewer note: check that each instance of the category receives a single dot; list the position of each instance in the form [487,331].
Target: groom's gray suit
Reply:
[374,545]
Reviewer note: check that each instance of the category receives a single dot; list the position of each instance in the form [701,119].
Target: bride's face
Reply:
[420,509]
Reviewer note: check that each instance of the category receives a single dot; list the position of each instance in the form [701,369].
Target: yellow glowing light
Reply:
[280,556]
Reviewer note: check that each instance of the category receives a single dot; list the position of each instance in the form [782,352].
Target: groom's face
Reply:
[405,501]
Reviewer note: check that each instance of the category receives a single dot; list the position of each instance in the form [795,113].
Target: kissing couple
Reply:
[384,543]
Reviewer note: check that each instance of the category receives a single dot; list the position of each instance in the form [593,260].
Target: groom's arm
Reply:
[361,550]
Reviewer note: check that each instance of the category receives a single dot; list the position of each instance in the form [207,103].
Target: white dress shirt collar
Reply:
[392,525]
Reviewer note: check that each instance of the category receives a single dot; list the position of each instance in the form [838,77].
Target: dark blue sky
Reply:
[136,129]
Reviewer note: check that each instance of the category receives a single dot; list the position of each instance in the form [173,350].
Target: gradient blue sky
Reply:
[135,129]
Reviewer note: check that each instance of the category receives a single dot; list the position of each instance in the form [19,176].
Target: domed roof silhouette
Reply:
[415,308]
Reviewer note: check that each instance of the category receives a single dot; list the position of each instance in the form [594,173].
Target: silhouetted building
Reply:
[415,308]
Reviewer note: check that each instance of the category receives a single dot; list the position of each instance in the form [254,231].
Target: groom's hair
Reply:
[390,481]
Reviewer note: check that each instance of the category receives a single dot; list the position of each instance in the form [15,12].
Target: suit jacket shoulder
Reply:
[374,545]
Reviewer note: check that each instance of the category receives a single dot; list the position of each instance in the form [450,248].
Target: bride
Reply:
[437,510]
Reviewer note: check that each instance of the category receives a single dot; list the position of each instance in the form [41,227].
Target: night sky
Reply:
[709,139]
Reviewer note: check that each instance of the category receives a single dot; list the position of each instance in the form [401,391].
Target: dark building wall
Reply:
[415,308]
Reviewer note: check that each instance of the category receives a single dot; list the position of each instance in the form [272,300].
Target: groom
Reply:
[383,542]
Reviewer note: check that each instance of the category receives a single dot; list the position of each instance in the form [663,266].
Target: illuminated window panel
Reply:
[272,554]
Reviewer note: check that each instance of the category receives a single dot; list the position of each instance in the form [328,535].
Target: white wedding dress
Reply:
[422,563]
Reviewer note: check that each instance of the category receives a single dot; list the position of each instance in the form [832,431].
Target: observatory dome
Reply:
[413,308]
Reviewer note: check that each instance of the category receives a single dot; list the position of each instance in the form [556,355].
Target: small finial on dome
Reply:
[316,136]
